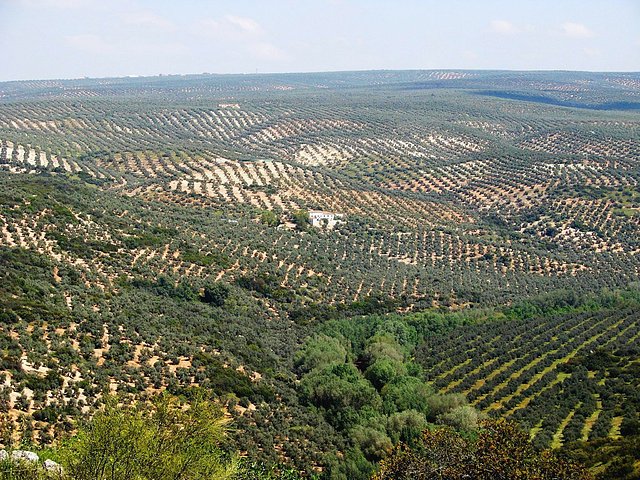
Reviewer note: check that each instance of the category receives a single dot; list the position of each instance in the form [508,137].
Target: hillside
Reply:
[154,236]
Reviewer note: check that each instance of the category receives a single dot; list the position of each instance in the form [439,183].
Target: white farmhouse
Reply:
[319,218]
[229,105]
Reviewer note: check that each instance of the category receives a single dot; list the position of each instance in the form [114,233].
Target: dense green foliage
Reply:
[359,373]
[499,452]
[168,441]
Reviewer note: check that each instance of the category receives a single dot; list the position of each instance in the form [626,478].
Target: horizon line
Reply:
[315,72]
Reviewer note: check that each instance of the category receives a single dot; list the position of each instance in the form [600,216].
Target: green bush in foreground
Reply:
[171,440]
[166,440]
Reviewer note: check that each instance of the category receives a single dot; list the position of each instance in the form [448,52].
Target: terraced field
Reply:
[429,190]
[567,378]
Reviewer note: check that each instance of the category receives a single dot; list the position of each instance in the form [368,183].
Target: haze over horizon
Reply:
[46,39]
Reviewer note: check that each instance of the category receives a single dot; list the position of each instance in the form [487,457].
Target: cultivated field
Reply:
[124,201]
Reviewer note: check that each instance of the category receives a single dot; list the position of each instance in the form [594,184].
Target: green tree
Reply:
[342,392]
[441,404]
[301,219]
[269,218]
[168,441]
[215,294]
[319,351]
[406,393]
[383,347]
[375,444]
[406,426]
[464,417]
[383,371]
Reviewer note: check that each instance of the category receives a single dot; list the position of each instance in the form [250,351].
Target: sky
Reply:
[51,39]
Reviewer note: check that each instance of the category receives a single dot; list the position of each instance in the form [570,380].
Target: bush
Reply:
[169,441]
[464,417]
[215,294]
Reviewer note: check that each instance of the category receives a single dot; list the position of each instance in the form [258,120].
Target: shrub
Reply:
[168,441]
